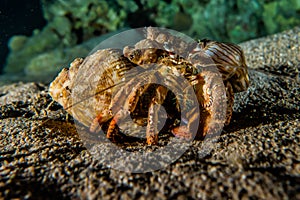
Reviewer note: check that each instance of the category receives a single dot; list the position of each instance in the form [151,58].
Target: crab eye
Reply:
[204,42]
[131,56]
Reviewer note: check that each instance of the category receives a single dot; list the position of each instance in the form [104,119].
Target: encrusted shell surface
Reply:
[80,89]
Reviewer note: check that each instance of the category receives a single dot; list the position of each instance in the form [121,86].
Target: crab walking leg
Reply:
[190,114]
[156,102]
[205,97]
[124,111]
[98,121]
[186,131]
[116,104]
[186,102]
[121,114]
[125,101]
[230,101]
[213,112]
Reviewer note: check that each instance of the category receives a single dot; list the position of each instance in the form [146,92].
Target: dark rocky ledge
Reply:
[256,157]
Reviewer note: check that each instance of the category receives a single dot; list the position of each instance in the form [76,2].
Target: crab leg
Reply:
[99,120]
[185,103]
[230,101]
[156,102]
[116,105]
[189,115]
[125,101]
[213,112]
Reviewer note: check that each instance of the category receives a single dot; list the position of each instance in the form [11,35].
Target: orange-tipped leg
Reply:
[121,114]
[157,100]
[95,125]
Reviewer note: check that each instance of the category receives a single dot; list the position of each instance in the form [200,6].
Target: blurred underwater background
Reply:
[39,38]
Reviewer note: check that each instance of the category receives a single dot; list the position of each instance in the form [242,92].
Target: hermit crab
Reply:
[195,79]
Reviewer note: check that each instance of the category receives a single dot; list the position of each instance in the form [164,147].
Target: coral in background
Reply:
[281,15]
[87,18]
[228,20]
[72,22]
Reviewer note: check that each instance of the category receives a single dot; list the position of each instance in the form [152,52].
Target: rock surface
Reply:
[257,156]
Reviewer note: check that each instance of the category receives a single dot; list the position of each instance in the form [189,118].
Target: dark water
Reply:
[18,17]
